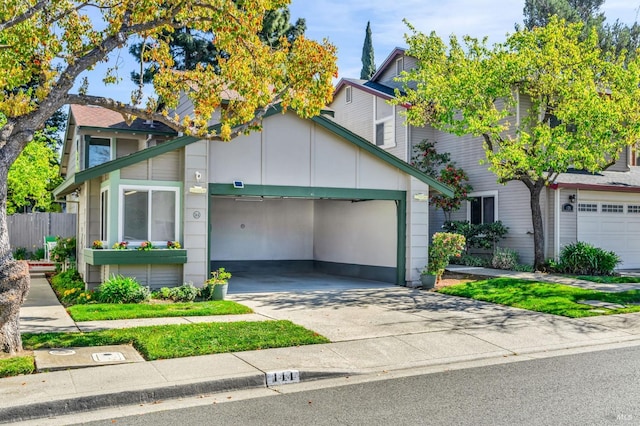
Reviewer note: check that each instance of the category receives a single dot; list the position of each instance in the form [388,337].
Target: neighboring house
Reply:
[603,209]
[300,194]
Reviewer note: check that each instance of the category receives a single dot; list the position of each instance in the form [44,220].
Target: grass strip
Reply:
[549,298]
[16,365]
[110,311]
[176,341]
[605,279]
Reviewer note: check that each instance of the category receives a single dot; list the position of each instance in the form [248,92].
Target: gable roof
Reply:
[78,178]
[371,87]
[102,118]
[398,51]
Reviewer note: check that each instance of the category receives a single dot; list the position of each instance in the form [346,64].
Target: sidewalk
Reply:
[372,331]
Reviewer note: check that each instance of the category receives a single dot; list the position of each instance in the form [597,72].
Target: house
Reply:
[603,209]
[301,194]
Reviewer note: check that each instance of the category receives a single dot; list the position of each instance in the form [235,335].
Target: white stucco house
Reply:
[301,194]
[602,209]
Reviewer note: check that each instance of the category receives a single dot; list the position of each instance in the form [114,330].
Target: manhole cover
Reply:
[62,352]
[107,356]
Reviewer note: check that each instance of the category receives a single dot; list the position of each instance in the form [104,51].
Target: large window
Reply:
[384,124]
[482,209]
[98,151]
[149,213]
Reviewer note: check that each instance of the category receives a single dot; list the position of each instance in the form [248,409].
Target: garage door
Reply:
[612,223]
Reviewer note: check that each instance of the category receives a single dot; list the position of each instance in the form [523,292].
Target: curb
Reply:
[88,403]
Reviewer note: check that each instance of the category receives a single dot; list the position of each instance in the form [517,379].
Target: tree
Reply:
[368,63]
[583,109]
[47,45]
[440,167]
[276,26]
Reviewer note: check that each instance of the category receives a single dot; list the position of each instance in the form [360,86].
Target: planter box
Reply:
[135,257]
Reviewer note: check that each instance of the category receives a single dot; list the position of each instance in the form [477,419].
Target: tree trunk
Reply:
[14,276]
[535,189]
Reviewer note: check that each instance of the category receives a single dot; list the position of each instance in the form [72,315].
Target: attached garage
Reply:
[611,220]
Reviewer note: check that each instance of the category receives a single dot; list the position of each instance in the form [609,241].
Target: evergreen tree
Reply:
[368,63]
[276,25]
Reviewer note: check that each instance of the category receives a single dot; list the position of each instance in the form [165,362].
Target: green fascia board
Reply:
[391,159]
[135,257]
[66,187]
[328,124]
[305,192]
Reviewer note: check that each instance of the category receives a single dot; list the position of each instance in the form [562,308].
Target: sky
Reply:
[343,23]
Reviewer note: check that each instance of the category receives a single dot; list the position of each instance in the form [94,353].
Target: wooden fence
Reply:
[29,229]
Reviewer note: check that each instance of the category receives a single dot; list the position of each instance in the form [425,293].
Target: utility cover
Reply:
[107,356]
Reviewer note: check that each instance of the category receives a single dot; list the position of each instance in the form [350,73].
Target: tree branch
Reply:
[28,14]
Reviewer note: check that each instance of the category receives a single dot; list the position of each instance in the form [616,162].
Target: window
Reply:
[149,214]
[612,208]
[482,209]
[399,66]
[98,151]
[591,208]
[348,94]
[104,215]
[384,124]
[633,209]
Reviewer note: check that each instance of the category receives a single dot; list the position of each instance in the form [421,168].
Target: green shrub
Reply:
[120,289]
[20,253]
[185,293]
[523,268]
[470,260]
[38,254]
[483,236]
[504,258]
[64,250]
[444,246]
[163,294]
[582,258]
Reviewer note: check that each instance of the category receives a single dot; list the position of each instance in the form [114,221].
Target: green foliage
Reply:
[121,289]
[38,161]
[504,258]
[20,253]
[70,288]
[110,311]
[185,293]
[175,341]
[554,299]
[585,259]
[38,254]
[483,236]
[523,268]
[470,260]
[368,61]
[64,250]
[443,247]
[608,279]
[15,366]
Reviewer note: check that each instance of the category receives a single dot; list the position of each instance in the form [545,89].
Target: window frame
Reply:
[104,214]
[390,119]
[348,94]
[399,65]
[481,195]
[87,151]
[149,189]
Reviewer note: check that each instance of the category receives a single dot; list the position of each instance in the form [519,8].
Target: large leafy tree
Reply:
[368,62]
[46,46]
[583,109]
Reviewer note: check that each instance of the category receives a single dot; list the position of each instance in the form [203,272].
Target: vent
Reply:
[276,378]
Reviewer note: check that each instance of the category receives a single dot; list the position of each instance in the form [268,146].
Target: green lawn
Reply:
[176,341]
[543,297]
[609,279]
[16,365]
[111,311]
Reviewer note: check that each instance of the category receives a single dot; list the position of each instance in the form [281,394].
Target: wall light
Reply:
[572,198]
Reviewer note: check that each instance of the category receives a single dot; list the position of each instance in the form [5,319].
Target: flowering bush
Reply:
[173,245]
[444,245]
[64,250]
[96,245]
[122,245]
[145,246]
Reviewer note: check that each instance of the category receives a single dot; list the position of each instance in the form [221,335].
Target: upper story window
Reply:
[98,151]
[483,208]
[399,65]
[149,214]
[384,123]
[348,94]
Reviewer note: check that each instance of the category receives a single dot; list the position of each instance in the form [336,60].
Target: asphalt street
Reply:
[594,388]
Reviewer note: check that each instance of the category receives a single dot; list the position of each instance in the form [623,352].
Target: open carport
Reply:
[295,236]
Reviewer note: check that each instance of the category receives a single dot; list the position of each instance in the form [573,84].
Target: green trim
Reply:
[135,257]
[305,192]
[66,187]
[86,142]
[124,130]
[401,259]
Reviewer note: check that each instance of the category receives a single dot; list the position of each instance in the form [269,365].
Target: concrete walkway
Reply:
[372,330]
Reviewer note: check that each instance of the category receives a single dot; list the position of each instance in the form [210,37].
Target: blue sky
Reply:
[343,22]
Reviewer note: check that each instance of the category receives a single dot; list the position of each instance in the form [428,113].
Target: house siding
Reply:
[357,115]
[165,167]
